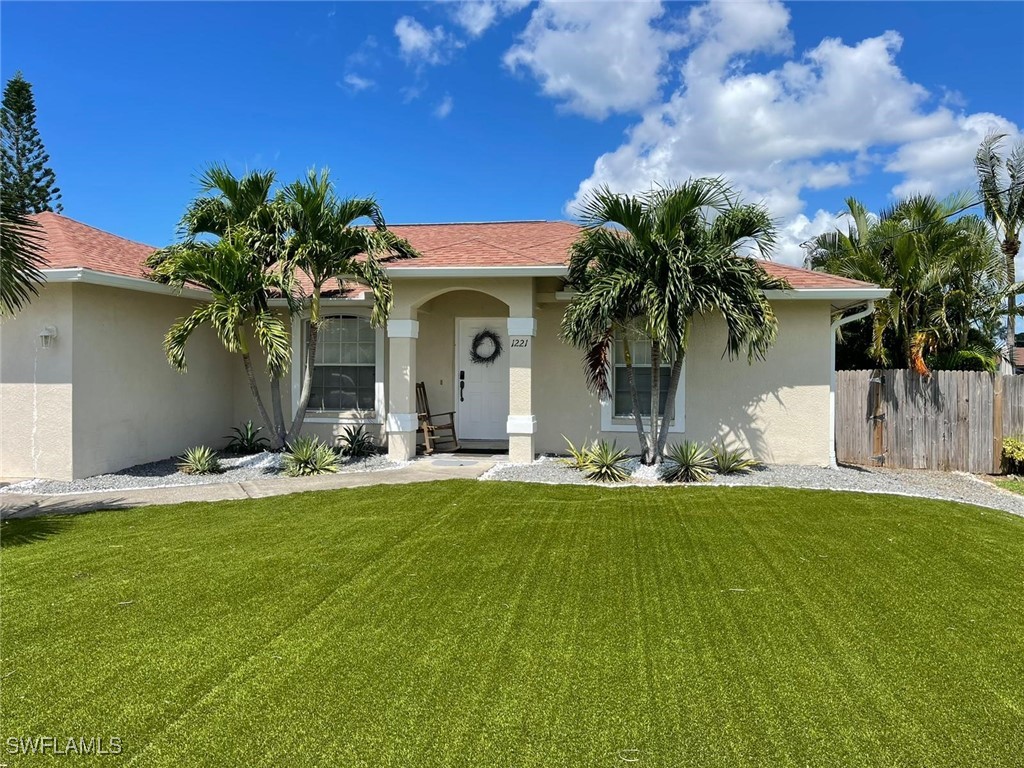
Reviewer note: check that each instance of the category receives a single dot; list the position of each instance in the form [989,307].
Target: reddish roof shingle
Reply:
[71,244]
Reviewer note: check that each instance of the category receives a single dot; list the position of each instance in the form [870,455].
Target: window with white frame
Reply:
[344,371]
[622,400]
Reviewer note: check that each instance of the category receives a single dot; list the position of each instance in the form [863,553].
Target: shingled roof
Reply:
[71,244]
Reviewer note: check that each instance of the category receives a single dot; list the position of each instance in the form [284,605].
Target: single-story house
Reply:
[85,387]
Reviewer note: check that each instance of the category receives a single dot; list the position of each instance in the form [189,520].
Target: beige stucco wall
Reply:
[778,409]
[130,406]
[127,405]
[35,389]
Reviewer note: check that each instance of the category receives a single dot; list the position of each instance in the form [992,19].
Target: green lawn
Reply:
[492,624]
[1017,486]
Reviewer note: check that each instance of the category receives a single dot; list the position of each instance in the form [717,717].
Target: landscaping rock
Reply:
[164,473]
[949,486]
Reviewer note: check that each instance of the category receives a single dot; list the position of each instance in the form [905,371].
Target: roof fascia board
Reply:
[93,277]
[553,270]
[852,295]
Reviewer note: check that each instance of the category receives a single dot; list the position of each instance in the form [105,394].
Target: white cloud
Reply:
[444,107]
[357,83]
[596,58]
[799,229]
[419,45]
[820,119]
[478,16]
[945,162]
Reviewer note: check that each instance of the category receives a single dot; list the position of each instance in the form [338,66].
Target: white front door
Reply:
[481,387]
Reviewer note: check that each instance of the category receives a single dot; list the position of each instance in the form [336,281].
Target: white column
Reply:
[402,419]
[522,424]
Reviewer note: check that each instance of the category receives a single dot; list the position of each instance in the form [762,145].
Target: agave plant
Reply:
[357,443]
[579,458]
[606,462]
[199,460]
[731,462]
[247,439]
[689,462]
[309,456]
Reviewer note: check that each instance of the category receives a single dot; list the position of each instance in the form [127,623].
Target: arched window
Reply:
[344,368]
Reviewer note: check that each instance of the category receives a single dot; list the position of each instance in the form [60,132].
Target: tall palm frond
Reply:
[649,264]
[1001,184]
[22,257]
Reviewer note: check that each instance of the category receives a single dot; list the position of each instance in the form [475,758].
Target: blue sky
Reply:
[505,110]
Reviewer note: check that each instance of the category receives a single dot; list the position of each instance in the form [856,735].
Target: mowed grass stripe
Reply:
[467,623]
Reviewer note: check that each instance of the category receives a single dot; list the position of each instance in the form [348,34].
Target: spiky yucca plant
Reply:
[309,456]
[605,462]
[579,457]
[199,460]
[731,462]
[689,462]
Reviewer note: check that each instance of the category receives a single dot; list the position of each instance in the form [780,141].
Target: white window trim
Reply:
[612,423]
[299,361]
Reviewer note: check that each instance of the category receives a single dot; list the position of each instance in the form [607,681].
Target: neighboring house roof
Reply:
[526,245]
[1018,357]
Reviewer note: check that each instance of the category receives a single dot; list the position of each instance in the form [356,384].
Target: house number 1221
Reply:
[520,342]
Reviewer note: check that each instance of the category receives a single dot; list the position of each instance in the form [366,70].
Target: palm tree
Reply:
[1001,183]
[669,255]
[22,257]
[324,244]
[946,278]
[227,202]
[234,274]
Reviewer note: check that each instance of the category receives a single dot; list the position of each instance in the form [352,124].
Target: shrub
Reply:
[730,462]
[1013,455]
[606,463]
[357,443]
[199,460]
[308,456]
[579,458]
[246,439]
[691,462]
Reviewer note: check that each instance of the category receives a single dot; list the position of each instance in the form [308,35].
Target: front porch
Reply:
[470,342]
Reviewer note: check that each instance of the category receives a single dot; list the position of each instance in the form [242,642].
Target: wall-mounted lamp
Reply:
[47,336]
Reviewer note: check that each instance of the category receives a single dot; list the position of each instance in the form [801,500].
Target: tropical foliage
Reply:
[247,439]
[1001,183]
[947,278]
[249,246]
[199,460]
[646,266]
[22,256]
[731,461]
[689,462]
[357,443]
[308,456]
[325,244]
[606,462]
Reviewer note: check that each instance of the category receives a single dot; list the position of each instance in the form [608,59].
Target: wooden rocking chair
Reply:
[436,428]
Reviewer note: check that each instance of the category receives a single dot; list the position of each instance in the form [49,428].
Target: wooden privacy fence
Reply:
[952,420]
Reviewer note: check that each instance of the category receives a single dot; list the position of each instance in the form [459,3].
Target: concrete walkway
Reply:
[422,470]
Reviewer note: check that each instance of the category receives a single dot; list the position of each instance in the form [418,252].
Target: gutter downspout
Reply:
[836,325]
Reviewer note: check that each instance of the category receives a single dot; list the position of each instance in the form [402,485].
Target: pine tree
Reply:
[29,182]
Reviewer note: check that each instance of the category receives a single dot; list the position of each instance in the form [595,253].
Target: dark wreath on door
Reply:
[485,348]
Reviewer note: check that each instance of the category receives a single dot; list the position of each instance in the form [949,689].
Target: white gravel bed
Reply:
[949,486]
[164,473]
